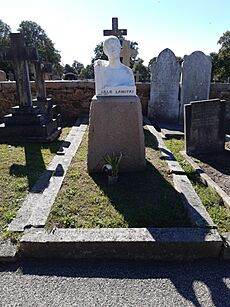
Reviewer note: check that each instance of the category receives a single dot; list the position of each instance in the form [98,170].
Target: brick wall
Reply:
[72,97]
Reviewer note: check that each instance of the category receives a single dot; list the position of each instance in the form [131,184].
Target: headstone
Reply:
[26,123]
[196,78]
[115,31]
[205,127]
[2,76]
[165,79]
[48,110]
[127,52]
[115,123]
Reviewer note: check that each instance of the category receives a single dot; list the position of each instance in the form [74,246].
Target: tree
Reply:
[77,67]
[35,36]
[142,69]
[99,53]
[221,60]
[87,72]
[5,41]
[4,33]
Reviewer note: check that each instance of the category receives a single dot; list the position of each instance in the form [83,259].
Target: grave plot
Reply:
[211,200]
[139,199]
[21,166]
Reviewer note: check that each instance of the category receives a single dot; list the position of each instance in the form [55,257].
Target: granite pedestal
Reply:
[115,125]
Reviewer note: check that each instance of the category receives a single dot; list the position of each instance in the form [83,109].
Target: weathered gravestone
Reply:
[196,78]
[205,126]
[26,122]
[2,76]
[165,79]
[115,123]
[46,107]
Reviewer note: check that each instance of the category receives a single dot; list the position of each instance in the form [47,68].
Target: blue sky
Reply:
[76,26]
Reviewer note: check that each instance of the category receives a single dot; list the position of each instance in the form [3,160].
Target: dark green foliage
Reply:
[35,36]
[5,41]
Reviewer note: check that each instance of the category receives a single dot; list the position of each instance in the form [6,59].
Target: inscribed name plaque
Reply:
[117,91]
[204,126]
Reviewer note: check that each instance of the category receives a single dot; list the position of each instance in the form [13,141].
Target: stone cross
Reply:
[20,54]
[41,69]
[115,31]
[127,52]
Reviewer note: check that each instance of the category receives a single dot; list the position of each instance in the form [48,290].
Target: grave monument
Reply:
[165,78]
[115,124]
[205,127]
[196,78]
[26,123]
[45,105]
[126,52]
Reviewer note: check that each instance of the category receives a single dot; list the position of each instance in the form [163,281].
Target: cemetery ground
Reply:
[21,166]
[139,200]
[217,166]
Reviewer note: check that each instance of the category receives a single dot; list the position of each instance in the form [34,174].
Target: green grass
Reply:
[211,200]
[141,199]
[20,167]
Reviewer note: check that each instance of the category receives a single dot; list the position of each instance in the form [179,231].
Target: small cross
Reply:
[127,52]
[115,31]
[20,54]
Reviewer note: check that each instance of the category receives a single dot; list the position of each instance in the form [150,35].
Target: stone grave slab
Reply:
[204,127]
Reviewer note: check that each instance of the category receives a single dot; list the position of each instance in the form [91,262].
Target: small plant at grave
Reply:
[112,164]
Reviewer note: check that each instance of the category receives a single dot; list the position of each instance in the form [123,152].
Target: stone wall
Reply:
[74,97]
[222,91]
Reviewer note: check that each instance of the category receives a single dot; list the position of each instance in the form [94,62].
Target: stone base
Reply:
[29,124]
[115,125]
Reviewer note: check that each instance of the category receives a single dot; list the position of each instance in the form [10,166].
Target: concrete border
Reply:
[134,243]
[8,251]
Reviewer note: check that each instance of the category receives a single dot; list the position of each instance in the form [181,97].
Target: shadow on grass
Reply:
[34,162]
[145,199]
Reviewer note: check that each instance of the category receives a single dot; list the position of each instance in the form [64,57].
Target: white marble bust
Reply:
[112,77]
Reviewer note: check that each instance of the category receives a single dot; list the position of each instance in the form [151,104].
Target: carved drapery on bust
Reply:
[112,78]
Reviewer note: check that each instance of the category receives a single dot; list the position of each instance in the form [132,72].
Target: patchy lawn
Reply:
[139,199]
[20,167]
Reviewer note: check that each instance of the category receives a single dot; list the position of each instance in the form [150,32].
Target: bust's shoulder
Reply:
[127,69]
[101,63]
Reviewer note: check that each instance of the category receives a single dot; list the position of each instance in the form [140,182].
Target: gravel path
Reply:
[54,283]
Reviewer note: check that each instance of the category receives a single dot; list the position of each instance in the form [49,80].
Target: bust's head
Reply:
[112,47]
